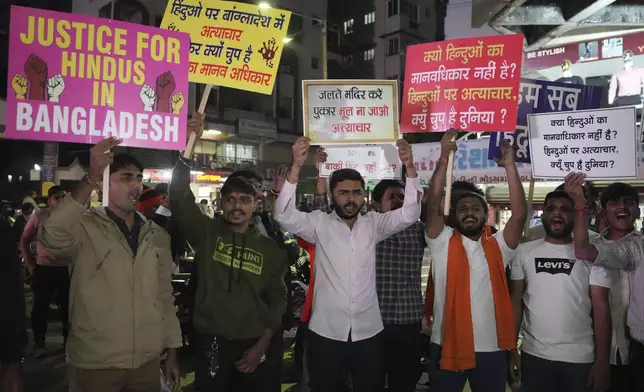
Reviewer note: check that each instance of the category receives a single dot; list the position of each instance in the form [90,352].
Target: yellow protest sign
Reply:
[232,44]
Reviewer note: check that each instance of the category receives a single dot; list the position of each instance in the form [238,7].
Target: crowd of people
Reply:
[572,297]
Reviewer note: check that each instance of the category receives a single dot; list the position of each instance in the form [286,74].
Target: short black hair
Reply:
[27,206]
[619,190]
[475,195]
[54,190]
[124,160]
[379,190]
[248,174]
[345,175]
[468,187]
[162,189]
[557,195]
[238,184]
[203,201]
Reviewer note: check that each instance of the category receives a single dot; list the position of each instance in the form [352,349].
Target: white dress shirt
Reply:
[345,300]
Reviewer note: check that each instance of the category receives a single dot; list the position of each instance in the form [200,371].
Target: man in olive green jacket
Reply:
[240,290]
[121,307]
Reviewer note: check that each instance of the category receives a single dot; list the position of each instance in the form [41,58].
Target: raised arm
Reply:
[624,254]
[435,222]
[296,222]
[183,205]
[514,227]
[321,200]
[394,221]
[61,234]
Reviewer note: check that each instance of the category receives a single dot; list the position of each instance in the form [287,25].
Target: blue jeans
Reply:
[538,375]
[490,374]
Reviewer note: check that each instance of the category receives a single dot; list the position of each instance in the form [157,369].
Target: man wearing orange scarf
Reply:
[467,295]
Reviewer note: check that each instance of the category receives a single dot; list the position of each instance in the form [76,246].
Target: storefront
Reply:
[603,61]
[204,185]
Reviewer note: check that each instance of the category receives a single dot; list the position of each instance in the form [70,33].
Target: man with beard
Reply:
[470,304]
[538,232]
[345,330]
[121,307]
[550,297]
[399,259]
[626,254]
[610,288]
[297,257]
[240,292]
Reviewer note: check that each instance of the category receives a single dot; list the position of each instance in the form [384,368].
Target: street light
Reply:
[266,6]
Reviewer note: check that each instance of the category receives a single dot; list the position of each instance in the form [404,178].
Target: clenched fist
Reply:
[165,86]
[36,71]
[19,84]
[301,151]
[177,102]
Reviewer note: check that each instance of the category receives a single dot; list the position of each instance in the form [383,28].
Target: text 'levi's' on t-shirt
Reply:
[557,323]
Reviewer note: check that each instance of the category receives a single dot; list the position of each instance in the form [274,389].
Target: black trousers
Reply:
[272,371]
[49,283]
[637,366]
[330,362]
[539,375]
[402,356]
[227,378]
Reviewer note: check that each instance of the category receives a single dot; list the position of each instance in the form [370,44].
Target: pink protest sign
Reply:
[79,79]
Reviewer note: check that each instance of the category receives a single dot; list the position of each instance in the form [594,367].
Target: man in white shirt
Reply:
[610,288]
[345,329]
[551,301]
[467,290]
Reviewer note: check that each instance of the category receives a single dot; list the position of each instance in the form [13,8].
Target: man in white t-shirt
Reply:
[610,288]
[551,301]
[467,292]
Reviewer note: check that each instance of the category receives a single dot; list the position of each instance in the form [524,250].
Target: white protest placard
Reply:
[602,143]
[350,111]
[374,162]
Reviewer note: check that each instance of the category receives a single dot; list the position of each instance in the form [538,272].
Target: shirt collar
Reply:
[164,211]
[138,218]
[335,216]
[604,234]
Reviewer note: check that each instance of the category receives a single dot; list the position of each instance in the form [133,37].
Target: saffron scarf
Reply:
[458,330]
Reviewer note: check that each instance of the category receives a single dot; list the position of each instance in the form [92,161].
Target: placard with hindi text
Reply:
[470,84]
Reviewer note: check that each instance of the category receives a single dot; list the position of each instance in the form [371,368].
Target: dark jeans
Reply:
[488,376]
[47,283]
[402,356]
[227,377]
[539,375]
[637,366]
[273,366]
[330,361]
[619,378]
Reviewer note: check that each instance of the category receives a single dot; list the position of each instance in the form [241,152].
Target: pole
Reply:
[325,74]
